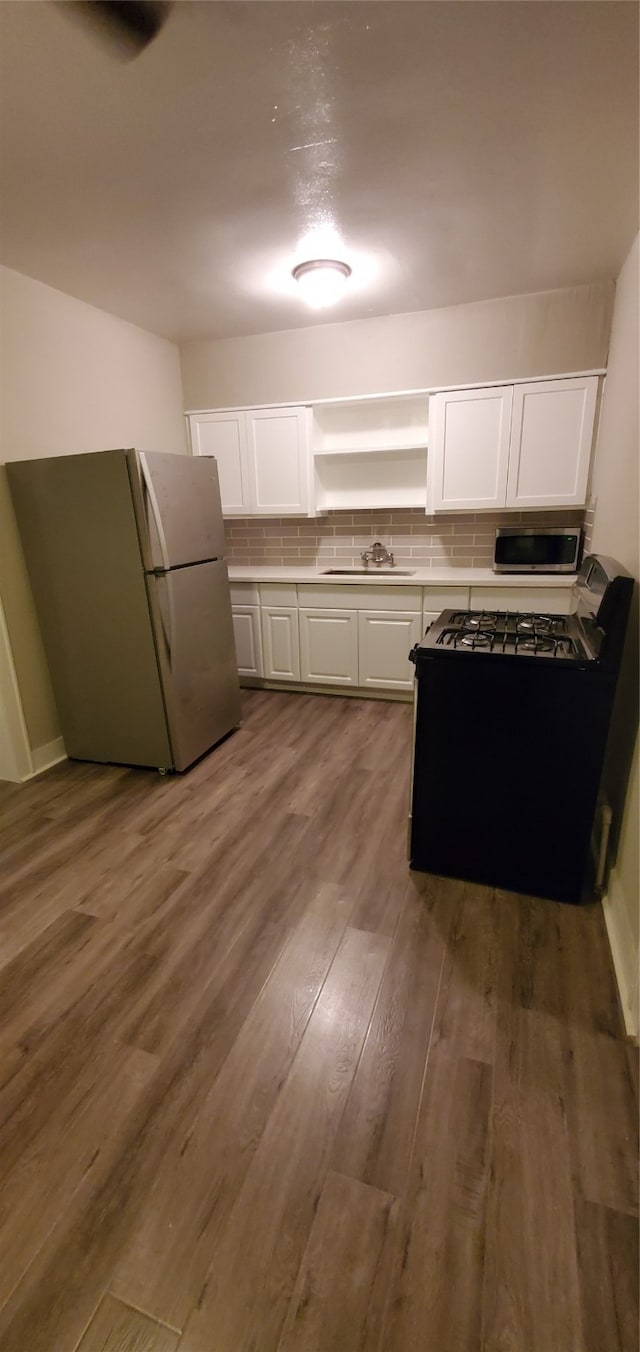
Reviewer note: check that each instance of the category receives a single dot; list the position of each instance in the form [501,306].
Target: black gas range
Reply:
[512,716]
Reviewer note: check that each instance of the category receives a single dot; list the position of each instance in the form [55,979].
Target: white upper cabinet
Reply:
[469,448]
[278,461]
[551,436]
[224,435]
[263,458]
[516,445]
[523,445]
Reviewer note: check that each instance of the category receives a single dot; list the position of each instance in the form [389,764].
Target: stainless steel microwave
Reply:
[542,549]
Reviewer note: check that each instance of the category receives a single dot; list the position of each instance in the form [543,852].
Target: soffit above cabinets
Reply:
[464,151]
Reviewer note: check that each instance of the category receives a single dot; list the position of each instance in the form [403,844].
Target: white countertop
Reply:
[421,577]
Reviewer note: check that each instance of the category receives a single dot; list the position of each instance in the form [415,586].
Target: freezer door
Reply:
[177,505]
[191,615]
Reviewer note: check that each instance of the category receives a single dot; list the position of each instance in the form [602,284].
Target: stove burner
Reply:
[480,620]
[536,644]
[540,624]
[477,639]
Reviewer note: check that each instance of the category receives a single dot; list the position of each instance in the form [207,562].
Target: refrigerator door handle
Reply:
[168,628]
[150,494]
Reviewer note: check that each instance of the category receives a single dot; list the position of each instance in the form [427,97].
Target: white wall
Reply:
[615,532]
[76,379]
[615,472]
[533,335]
[72,379]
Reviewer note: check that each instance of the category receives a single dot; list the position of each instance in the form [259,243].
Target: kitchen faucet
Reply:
[378,554]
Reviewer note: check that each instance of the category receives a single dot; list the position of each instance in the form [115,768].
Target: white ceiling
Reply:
[461,150]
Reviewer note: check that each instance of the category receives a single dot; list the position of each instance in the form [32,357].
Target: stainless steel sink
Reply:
[368,572]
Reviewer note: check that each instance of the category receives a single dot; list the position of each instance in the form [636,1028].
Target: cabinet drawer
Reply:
[357,597]
[244,593]
[278,594]
[551,600]
[445,598]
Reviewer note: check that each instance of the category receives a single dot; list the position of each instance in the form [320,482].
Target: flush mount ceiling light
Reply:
[321,281]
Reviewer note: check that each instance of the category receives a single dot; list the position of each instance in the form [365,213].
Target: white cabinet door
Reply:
[225,436]
[248,638]
[279,460]
[384,641]
[468,448]
[552,432]
[329,646]
[280,643]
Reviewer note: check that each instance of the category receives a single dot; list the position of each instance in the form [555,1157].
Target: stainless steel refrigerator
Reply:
[124,550]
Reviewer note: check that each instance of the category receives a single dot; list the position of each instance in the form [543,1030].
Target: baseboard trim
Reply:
[623,952]
[43,757]
[324,688]
[15,752]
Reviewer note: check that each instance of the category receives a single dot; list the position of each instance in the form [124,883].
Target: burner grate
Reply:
[541,625]
[526,643]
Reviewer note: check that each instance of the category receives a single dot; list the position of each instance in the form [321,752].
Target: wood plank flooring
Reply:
[265,1090]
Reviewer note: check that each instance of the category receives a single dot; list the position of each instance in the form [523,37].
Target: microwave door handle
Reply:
[150,494]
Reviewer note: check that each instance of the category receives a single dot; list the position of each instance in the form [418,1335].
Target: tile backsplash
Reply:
[447,540]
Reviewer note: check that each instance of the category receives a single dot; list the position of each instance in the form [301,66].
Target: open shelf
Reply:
[370,426]
[372,450]
[344,481]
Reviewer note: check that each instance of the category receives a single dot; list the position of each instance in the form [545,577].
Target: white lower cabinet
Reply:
[246,629]
[319,634]
[280,643]
[245,610]
[329,646]
[384,641]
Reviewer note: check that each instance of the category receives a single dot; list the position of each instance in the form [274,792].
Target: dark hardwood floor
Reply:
[264,1090]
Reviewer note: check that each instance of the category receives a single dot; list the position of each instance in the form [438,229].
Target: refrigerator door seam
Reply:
[175,567]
